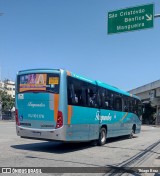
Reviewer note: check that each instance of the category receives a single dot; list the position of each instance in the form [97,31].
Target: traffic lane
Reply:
[86,155]
[26,152]
[71,148]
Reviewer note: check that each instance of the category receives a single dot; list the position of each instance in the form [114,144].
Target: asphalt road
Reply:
[141,151]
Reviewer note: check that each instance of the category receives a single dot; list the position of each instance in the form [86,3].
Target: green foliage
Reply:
[7,101]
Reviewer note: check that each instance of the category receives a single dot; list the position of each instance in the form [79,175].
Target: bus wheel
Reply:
[132,132]
[131,135]
[102,136]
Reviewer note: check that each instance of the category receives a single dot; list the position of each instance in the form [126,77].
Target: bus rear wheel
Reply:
[132,132]
[102,136]
[130,136]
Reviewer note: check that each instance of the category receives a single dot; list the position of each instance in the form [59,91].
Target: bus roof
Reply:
[42,70]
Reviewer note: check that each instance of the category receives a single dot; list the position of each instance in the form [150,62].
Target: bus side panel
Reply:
[138,128]
[130,120]
[113,120]
[83,124]
[119,123]
[138,125]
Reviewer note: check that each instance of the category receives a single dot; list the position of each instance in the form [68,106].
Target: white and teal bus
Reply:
[55,104]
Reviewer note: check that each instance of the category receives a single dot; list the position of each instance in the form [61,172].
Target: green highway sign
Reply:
[130,19]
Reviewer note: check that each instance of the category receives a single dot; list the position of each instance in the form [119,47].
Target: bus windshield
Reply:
[38,82]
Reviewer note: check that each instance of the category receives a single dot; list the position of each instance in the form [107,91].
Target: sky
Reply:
[72,34]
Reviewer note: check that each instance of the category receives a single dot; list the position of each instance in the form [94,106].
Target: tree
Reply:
[7,101]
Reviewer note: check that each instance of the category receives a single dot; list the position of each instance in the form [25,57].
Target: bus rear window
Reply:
[38,82]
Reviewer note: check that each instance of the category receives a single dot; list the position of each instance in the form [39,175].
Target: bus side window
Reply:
[99,100]
[107,99]
[130,105]
[102,98]
[83,96]
[71,93]
[139,108]
[118,102]
[92,96]
[135,107]
[125,104]
[78,92]
[110,99]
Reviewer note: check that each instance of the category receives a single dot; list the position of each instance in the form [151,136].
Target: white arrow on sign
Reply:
[149,18]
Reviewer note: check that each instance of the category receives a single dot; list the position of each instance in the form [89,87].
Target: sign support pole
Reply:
[157,15]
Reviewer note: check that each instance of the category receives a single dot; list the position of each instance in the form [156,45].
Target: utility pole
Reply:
[0,80]
[1,13]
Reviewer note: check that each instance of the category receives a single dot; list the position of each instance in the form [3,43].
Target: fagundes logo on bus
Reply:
[99,117]
[41,105]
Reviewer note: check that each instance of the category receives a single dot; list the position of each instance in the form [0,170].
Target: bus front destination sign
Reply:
[130,19]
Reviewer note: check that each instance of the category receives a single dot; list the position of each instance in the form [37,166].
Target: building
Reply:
[150,94]
[1,85]
[9,86]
